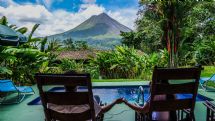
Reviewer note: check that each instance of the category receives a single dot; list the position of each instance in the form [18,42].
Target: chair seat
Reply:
[25,89]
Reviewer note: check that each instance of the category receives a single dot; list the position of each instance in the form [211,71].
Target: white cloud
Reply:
[126,17]
[59,21]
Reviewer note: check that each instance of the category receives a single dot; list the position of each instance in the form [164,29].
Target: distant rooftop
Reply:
[77,55]
[82,54]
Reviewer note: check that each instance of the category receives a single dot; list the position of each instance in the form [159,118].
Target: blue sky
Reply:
[74,5]
[56,16]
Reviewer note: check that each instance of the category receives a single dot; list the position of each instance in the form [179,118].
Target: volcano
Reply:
[100,31]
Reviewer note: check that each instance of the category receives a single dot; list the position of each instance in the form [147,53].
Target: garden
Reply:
[169,34]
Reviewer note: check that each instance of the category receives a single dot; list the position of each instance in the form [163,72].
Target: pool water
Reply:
[130,93]
[108,94]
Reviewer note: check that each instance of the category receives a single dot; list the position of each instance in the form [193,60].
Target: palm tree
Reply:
[53,45]
[4,21]
[69,44]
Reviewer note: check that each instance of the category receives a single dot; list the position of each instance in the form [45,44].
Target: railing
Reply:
[140,96]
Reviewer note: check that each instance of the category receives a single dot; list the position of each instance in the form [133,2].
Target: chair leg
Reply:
[194,119]
[20,98]
[206,87]
[202,85]
[193,116]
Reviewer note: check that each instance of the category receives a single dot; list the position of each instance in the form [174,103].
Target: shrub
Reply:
[124,62]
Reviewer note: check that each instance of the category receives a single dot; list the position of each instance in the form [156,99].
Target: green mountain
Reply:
[100,31]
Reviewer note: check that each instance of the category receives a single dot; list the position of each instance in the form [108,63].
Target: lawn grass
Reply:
[207,72]
[211,84]
[116,80]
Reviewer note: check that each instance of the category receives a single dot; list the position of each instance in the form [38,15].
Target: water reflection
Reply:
[108,95]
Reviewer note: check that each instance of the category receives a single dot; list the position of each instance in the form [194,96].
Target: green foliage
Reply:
[70,44]
[23,63]
[32,31]
[3,21]
[204,52]
[48,67]
[43,43]
[81,45]
[4,70]
[191,32]
[67,64]
[22,30]
[182,27]
[124,62]
[197,45]
[53,45]
[131,39]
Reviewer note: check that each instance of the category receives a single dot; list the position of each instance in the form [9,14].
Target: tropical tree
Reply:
[53,45]
[20,63]
[69,44]
[81,45]
[4,21]
[198,32]
[24,64]
[131,39]
[204,52]
[168,20]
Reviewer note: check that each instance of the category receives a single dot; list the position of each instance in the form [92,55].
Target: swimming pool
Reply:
[132,93]
[108,94]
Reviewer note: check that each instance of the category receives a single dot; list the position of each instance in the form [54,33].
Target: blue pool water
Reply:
[108,94]
[130,93]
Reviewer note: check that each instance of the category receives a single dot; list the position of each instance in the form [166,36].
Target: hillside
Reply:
[100,31]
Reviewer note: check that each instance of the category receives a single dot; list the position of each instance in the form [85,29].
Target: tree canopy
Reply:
[182,27]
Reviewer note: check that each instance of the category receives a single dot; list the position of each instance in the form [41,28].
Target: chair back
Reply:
[66,98]
[7,86]
[180,81]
